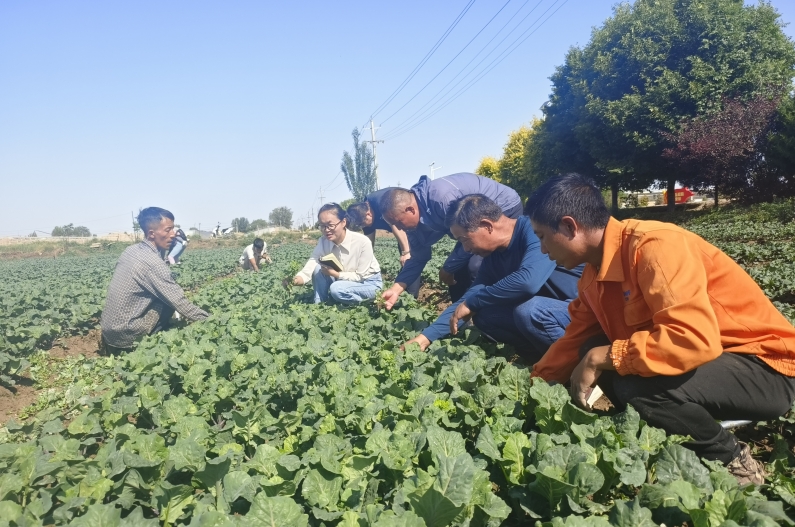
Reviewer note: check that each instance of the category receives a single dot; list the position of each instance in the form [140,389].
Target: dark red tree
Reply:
[721,148]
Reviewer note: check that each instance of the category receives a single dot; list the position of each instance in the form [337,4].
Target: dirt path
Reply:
[15,399]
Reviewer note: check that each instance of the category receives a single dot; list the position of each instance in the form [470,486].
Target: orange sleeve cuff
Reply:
[620,360]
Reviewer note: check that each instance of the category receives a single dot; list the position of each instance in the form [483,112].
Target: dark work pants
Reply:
[164,322]
[733,386]
[531,327]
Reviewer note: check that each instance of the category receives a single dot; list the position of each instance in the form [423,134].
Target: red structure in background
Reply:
[681,195]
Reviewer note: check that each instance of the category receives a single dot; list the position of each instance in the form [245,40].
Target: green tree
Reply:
[651,66]
[347,203]
[281,217]
[359,169]
[258,224]
[489,167]
[775,178]
[72,231]
[241,224]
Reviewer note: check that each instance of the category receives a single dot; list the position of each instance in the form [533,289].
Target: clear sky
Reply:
[222,109]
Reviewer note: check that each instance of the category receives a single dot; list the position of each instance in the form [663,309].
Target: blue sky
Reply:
[222,109]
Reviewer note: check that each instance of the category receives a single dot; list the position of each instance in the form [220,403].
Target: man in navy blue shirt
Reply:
[366,215]
[520,296]
[421,211]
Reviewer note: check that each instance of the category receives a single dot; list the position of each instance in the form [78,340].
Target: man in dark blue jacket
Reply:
[520,296]
[366,215]
[422,210]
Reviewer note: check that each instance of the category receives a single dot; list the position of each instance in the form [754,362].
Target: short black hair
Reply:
[393,199]
[356,213]
[151,217]
[469,211]
[336,208]
[259,243]
[568,195]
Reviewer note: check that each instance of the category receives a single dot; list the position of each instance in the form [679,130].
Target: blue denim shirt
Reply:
[433,199]
[513,276]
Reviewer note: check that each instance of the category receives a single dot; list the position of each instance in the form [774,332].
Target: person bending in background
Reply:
[519,296]
[422,212]
[254,254]
[178,245]
[142,295]
[663,321]
[360,277]
[366,215]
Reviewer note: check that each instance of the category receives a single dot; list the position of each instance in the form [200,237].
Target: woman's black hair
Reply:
[356,213]
[335,207]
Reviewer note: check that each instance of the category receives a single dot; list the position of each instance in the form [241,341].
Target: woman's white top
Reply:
[355,253]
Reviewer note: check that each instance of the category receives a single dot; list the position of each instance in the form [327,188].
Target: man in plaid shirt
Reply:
[143,295]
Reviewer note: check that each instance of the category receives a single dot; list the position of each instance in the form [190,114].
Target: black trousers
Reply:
[733,386]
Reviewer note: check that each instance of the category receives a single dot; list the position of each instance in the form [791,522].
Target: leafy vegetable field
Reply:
[41,299]
[275,412]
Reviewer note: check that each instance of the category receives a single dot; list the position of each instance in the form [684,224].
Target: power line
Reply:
[424,60]
[487,69]
[442,102]
[485,46]
[448,64]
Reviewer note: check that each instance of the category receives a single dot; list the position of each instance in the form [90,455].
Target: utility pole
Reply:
[375,159]
[432,169]
[321,196]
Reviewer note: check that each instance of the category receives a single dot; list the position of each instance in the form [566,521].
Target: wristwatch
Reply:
[405,253]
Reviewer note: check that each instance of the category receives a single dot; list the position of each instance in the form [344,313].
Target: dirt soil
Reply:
[434,296]
[16,399]
[87,345]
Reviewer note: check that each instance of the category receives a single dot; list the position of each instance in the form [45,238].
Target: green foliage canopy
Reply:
[281,217]
[71,230]
[648,68]
[241,224]
[359,169]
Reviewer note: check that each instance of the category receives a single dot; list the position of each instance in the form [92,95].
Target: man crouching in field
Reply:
[143,295]
[665,322]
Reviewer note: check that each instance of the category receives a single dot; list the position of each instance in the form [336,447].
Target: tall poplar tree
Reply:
[359,169]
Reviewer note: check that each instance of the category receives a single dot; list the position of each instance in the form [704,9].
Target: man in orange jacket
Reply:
[665,322]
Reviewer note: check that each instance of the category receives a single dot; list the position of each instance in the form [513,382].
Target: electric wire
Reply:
[442,102]
[511,48]
[448,64]
[482,49]
[423,61]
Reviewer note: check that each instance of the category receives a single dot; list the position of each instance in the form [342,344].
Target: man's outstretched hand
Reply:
[446,278]
[462,312]
[391,295]
[587,372]
[420,339]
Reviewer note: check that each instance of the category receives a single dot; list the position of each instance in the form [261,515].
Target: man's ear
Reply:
[487,224]
[568,226]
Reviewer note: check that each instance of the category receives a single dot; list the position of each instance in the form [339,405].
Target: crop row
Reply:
[41,299]
[281,413]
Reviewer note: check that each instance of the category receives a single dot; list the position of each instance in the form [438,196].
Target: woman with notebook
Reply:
[342,266]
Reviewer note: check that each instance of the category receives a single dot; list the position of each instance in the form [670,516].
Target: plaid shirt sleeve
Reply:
[141,291]
[159,282]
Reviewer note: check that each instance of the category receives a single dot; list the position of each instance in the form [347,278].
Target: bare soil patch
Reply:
[87,345]
[434,296]
[15,399]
